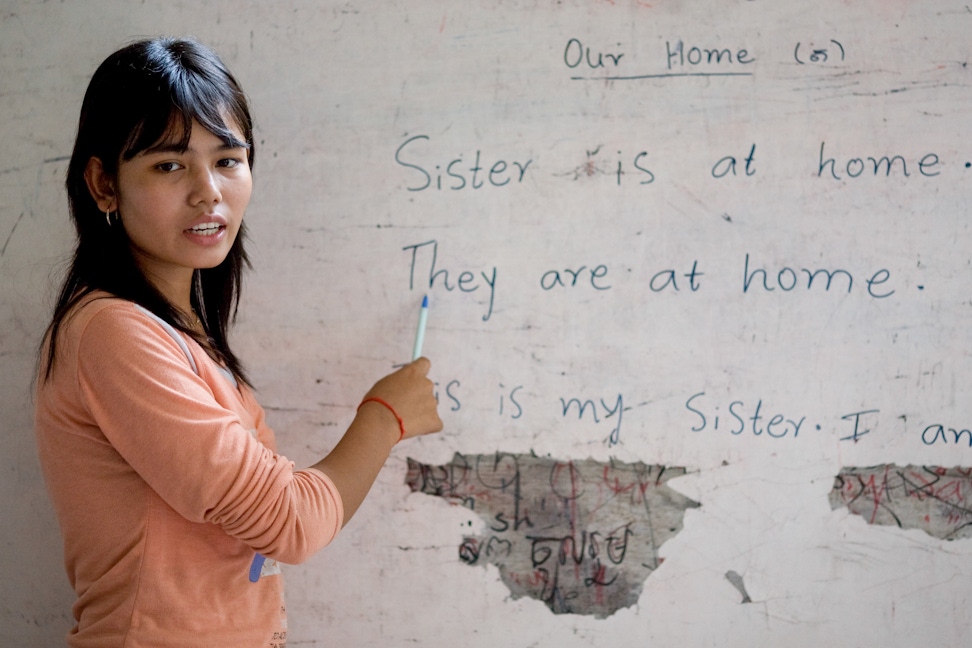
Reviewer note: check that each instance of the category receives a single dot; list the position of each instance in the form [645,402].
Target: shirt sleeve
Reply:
[194,452]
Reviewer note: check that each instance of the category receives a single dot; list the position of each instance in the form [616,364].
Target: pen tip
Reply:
[425,301]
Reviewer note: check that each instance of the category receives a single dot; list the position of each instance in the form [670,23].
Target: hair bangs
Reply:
[190,90]
[172,127]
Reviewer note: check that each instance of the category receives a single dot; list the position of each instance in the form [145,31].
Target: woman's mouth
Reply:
[205,229]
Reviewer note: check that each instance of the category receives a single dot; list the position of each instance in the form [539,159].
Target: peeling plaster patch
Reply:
[931,498]
[580,536]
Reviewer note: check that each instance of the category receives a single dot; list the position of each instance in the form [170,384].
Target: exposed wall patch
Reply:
[581,536]
[737,582]
[931,498]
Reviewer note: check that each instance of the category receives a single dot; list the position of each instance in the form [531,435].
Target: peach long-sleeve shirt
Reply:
[166,483]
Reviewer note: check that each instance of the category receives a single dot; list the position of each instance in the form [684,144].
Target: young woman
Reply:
[172,501]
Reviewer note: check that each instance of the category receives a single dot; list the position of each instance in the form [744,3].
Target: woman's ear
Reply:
[100,185]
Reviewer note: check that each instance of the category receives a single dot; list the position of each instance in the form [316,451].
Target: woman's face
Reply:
[182,209]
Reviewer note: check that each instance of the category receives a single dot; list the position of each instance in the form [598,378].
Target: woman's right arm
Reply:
[354,463]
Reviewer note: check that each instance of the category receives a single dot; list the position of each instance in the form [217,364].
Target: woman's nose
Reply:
[205,187]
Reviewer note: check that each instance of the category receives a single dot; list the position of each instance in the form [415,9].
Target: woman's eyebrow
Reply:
[179,147]
[233,144]
[167,147]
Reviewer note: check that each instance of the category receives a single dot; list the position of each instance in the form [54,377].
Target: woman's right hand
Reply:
[412,396]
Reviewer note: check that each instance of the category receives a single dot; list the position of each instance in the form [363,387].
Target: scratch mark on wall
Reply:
[580,536]
[3,250]
[931,498]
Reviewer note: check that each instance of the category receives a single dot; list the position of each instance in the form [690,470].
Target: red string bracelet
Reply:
[381,401]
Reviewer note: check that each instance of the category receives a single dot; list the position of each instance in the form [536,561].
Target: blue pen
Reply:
[420,333]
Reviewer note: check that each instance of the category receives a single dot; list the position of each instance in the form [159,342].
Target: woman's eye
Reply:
[168,167]
[230,163]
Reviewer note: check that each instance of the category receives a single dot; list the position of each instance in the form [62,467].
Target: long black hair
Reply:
[139,95]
